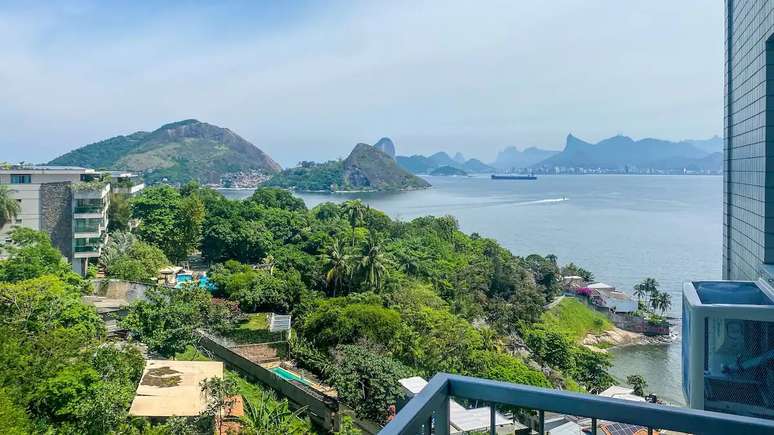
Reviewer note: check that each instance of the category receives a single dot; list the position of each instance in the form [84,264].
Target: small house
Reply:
[606,296]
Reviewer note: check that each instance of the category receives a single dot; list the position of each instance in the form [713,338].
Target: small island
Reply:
[367,169]
[448,171]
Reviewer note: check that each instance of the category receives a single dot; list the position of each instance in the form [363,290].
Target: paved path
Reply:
[554,302]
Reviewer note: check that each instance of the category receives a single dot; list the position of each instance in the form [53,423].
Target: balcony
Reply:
[127,188]
[90,189]
[87,251]
[428,411]
[88,209]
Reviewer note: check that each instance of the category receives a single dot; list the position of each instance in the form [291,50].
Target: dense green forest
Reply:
[366,291]
[373,300]
[311,177]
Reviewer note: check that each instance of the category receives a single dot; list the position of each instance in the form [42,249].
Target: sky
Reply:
[306,80]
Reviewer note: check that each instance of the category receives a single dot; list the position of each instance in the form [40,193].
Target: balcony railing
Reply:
[89,209]
[428,411]
[86,249]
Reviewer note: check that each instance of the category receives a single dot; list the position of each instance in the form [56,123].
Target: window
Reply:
[21,178]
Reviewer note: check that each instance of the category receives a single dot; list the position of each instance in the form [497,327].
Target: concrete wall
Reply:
[29,197]
[120,289]
[322,410]
[56,215]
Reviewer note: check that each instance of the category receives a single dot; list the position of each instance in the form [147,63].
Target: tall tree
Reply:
[354,210]
[663,302]
[337,266]
[119,213]
[648,287]
[169,221]
[188,227]
[9,206]
[373,263]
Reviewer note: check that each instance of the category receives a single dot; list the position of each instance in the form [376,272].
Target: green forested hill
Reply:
[179,152]
[366,168]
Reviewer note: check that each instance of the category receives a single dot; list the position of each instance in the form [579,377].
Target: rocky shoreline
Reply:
[618,337]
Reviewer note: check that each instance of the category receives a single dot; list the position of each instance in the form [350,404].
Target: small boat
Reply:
[513,177]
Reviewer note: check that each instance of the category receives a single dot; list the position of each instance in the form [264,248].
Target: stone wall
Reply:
[56,215]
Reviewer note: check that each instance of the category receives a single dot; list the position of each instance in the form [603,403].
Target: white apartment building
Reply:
[70,204]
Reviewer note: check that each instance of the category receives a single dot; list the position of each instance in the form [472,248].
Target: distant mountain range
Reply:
[621,151]
[176,152]
[419,164]
[615,153]
[194,150]
[367,168]
[511,157]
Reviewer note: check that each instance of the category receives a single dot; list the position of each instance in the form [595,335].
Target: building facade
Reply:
[748,188]
[70,204]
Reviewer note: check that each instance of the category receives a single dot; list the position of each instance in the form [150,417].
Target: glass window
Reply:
[21,178]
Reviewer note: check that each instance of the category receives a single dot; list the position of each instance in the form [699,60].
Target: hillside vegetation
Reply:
[176,152]
[575,320]
[365,169]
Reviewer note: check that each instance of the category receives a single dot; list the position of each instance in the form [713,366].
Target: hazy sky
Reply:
[308,80]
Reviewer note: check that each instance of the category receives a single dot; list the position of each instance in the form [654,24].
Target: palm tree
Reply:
[647,288]
[354,210]
[269,263]
[118,245]
[663,302]
[373,263]
[9,206]
[337,264]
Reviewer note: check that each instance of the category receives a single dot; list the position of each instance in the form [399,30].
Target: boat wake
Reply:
[542,201]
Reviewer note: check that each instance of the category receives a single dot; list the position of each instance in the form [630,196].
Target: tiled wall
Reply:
[748,224]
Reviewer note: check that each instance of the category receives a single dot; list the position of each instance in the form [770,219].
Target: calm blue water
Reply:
[621,227]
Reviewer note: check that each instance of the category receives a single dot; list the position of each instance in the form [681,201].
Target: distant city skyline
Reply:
[308,80]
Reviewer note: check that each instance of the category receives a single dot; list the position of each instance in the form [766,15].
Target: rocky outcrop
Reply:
[370,169]
[613,337]
[386,146]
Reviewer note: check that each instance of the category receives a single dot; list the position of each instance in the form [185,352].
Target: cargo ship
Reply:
[514,177]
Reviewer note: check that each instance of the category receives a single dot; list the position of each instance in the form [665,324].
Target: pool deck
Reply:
[306,380]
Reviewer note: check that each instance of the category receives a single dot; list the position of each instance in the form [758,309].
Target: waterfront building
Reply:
[606,296]
[68,203]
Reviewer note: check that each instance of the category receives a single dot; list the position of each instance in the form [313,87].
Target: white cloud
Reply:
[468,76]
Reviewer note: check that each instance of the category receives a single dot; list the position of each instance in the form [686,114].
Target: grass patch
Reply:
[254,330]
[191,353]
[575,320]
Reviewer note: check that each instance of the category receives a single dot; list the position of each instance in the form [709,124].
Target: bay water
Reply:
[623,228]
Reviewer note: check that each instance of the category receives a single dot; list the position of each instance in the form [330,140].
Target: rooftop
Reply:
[45,168]
[460,418]
[171,388]
[600,285]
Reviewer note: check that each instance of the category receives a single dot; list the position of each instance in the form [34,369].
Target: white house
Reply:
[606,296]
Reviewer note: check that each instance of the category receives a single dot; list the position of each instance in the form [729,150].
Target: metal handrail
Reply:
[431,408]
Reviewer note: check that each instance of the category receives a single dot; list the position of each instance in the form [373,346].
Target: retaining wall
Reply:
[322,410]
